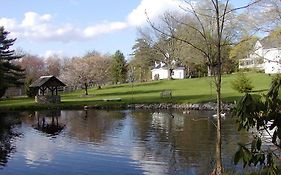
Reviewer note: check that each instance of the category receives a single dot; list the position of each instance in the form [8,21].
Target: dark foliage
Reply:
[262,116]
[10,74]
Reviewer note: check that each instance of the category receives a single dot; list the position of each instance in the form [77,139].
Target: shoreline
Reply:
[208,106]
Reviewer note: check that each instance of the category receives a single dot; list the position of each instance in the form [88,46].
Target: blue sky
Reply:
[73,27]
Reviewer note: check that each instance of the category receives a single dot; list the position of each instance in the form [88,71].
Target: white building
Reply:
[266,56]
[161,71]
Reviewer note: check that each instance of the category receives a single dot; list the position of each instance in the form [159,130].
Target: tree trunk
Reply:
[170,74]
[209,71]
[219,169]
[218,60]
[86,89]
[2,91]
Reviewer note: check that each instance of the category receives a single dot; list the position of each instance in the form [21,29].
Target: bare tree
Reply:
[76,73]
[86,71]
[33,66]
[53,65]
[100,69]
[210,22]
[166,46]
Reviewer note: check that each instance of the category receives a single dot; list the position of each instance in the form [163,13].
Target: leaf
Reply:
[279,133]
[259,143]
[253,145]
[274,137]
[237,156]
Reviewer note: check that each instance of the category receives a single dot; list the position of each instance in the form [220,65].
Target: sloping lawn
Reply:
[194,90]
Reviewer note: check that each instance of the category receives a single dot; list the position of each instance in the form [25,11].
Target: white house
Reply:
[160,72]
[266,57]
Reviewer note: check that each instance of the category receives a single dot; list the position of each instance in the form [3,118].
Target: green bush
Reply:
[30,92]
[242,83]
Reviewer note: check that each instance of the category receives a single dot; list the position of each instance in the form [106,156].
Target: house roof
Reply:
[166,68]
[49,81]
[269,42]
[162,65]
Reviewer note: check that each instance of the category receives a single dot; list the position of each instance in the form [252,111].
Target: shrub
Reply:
[242,83]
[30,92]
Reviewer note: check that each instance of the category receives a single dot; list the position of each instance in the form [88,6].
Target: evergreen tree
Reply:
[10,74]
[143,60]
[242,83]
[119,68]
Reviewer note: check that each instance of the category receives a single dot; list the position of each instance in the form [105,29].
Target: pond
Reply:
[114,142]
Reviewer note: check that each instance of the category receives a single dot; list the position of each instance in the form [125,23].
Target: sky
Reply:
[74,27]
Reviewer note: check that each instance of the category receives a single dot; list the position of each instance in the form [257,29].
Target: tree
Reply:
[243,48]
[10,74]
[87,71]
[164,44]
[143,60]
[30,92]
[53,65]
[33,66]
[211,21]
[119,67]
[76,73]
[263,114]
[100,69]
[241,83]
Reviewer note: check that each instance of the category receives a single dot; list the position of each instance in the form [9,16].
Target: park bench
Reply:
[166,93]
[112,99]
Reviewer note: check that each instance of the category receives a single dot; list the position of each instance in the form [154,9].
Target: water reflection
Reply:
[7,134]
[123,142]
[48,122]
[93,126]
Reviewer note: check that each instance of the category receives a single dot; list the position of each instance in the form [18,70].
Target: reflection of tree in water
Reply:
[182,143]
[7,134]
[48,122]
[93,125]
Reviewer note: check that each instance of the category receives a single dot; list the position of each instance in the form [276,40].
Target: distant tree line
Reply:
[18,68]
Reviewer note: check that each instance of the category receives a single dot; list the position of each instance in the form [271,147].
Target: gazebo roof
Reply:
[49,81]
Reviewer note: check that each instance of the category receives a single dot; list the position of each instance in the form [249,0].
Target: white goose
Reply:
[222,115]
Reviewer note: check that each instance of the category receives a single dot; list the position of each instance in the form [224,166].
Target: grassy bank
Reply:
[196,90]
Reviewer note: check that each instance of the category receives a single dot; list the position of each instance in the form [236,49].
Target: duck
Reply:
[222,115]
[186,112]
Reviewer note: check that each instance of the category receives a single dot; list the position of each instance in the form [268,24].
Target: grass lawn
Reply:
[196,90]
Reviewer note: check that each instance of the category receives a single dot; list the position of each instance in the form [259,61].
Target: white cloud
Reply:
[107,27]
[50,53]
[32,19]
[9,23]
[42,27]
[153,9]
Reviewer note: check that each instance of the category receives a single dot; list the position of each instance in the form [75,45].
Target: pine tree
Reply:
[10,74]
[119,68]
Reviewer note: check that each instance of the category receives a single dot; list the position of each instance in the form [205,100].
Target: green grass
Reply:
[195,90]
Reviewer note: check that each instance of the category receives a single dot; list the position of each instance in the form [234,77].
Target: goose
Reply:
[222,115]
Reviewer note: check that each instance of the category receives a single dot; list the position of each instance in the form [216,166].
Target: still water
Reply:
[114,142]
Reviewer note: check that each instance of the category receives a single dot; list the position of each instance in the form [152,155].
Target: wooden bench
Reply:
[112,99]
[166,94]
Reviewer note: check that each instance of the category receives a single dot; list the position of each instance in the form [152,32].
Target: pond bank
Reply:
[114,105]
[210,106]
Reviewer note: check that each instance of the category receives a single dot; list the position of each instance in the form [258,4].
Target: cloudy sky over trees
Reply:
[72,27]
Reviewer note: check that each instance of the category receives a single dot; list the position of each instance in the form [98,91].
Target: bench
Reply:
[112,99]
[166,94]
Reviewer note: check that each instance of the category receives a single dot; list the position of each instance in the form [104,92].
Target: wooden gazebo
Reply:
[47,89]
